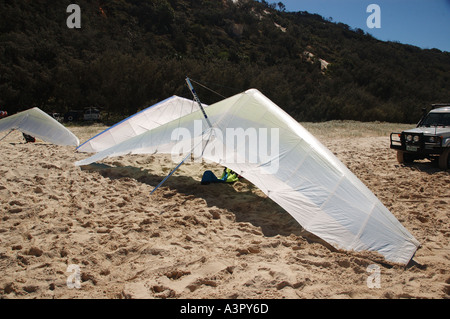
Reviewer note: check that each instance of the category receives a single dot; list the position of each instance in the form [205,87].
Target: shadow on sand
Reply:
[242,199]
[425,166]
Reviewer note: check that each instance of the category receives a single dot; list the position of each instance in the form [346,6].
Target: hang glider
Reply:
[298,173]
[39,124]
[156,115]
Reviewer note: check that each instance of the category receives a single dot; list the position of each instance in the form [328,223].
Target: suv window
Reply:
[436,119]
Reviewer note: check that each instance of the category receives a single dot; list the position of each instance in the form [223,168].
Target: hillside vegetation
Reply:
[129,54]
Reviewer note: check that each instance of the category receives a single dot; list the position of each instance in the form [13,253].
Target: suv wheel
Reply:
[404,158]
[444,159]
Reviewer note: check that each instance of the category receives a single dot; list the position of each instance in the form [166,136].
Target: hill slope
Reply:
[131,53]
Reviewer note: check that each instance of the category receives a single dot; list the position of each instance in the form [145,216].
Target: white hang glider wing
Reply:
[301,175]
[156,115]
[39,124]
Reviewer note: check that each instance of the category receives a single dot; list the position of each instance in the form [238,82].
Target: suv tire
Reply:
[404,158]
[444,159]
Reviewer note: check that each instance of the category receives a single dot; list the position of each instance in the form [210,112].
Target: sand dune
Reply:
[194,241]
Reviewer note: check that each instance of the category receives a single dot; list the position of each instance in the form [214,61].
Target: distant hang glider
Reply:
[39,124]
[309,181]
[156,115]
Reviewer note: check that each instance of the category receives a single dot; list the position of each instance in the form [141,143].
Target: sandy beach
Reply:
[193,241]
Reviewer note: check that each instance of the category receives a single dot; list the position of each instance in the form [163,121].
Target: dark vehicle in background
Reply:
[73,116]
[91,114]
[430,139]
[88,114]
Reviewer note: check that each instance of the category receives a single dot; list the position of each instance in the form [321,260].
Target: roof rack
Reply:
[437,105]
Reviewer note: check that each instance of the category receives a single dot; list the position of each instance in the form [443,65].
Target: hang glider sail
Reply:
[156,115]
[292,168]
[39,124]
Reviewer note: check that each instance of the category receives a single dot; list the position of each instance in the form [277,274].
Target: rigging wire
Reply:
[7,135]
[209,89]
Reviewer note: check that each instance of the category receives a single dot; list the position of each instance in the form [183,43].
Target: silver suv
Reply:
[430,139]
